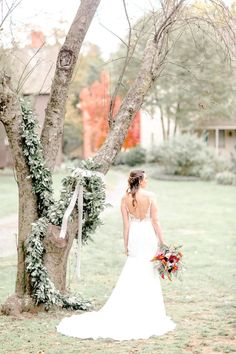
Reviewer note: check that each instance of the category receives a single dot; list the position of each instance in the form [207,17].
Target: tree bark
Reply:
[57,252]
[10,115]
[52,132]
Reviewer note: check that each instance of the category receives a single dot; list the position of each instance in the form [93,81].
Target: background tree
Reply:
[94,104]
[88,68]
[197,83]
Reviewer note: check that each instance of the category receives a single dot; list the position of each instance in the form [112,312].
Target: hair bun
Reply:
[134,180]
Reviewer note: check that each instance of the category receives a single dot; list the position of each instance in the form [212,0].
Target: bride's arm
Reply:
[155,221]
[125,218]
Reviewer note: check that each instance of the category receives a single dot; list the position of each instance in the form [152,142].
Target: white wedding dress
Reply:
[135,309]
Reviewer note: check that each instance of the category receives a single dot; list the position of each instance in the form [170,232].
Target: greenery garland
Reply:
[51,211]
[33,152]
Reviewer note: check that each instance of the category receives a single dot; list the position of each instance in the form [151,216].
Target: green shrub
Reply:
[135,156]
[226,178]
[207,173]
[131,157]
[71,138]
[187,155]
[120,158]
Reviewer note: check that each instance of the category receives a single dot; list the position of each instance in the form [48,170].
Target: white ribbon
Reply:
[86,173]
[77,195]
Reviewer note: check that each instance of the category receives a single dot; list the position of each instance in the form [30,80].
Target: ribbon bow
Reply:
[77,195]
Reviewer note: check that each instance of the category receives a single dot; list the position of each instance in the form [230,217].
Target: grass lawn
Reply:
[199,215]
[9,192]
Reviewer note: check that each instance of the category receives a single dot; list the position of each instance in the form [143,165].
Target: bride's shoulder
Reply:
[125,197]
[149,194]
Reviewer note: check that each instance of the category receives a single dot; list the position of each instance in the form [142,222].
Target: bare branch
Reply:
[115,34]
[152,65]
[10,9]
[129,55]
[22,79]
[46,76]
[116,90]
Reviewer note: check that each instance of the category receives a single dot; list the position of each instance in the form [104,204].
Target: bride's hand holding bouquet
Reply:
[168,261]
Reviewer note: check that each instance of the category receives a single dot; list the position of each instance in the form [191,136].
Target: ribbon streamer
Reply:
[79,239]
[77,195]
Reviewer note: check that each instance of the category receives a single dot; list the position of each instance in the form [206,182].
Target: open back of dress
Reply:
[142,210]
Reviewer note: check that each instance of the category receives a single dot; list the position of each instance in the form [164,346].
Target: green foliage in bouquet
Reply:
[169,262]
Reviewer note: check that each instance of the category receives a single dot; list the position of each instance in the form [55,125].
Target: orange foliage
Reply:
[94,104]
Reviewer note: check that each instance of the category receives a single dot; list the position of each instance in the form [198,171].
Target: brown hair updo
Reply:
[134,180]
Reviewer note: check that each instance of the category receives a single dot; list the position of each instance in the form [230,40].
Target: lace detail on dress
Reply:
[147,215]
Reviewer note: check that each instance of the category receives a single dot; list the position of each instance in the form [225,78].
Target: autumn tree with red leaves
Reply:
[94,105]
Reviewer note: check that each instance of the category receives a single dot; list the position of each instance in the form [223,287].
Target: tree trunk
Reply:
[51,137]
[162,124]
[176,118]
[168,113]
[10,115]
[57,252]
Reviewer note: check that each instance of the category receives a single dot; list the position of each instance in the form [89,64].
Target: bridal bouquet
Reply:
[168,261]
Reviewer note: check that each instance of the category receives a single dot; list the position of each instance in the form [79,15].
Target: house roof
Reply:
[218,124]
[35,68]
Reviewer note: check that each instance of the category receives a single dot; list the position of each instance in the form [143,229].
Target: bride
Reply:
[135,309]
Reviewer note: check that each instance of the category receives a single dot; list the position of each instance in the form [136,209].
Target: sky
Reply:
[44,15]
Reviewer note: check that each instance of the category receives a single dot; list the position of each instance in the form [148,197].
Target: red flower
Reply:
[160,256]
[157,257]
[173,258]
[163,277]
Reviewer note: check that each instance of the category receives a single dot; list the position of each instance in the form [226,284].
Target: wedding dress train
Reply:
[135,309]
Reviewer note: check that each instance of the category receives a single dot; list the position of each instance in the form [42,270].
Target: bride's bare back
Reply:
[141,209]
[145,200]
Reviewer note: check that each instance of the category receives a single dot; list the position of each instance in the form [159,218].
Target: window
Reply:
[205,136]
[221,138]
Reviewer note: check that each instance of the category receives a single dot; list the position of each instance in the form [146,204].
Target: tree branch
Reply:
[131,104]
[54,116]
